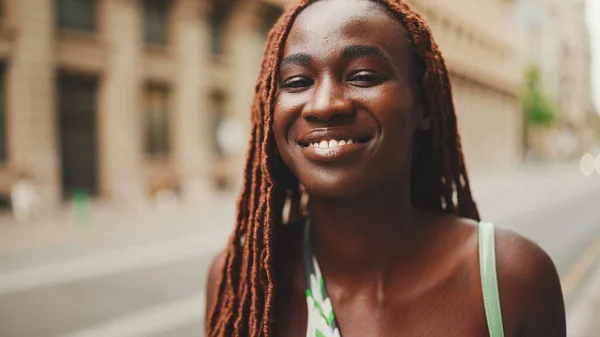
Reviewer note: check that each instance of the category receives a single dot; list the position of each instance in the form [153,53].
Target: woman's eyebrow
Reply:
[349,52]
[300,59]
[359,51]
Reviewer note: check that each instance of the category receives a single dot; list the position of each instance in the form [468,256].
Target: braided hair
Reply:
[439,181]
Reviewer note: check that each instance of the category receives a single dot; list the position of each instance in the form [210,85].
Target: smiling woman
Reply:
[354,109]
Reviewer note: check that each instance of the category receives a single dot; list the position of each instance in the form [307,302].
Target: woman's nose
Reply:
[327,102]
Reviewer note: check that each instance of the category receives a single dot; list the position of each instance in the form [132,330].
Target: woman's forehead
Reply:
[328,23]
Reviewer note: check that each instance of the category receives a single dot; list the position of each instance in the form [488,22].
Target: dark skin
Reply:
[391,269]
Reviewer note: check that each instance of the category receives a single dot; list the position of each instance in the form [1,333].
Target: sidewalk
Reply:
[500,197]
[112,226]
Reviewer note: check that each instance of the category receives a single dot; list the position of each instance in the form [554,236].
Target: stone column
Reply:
[32,143]
[120,122]
[243,38]
[191,123]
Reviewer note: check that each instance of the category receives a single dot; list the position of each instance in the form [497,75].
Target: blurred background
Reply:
[123,130]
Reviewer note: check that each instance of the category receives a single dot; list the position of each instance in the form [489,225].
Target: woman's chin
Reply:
[333,190]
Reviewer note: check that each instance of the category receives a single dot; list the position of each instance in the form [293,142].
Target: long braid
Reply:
[271,215]
[445,142]
[246,289]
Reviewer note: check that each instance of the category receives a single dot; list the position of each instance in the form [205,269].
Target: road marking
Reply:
[581,267]
[151,321]
[109,263]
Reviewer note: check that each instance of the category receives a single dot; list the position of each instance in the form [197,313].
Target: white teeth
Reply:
[332,143]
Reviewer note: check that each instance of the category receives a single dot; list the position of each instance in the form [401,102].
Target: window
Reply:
[218,100]
[219,13]
[216,36]
[76,14]
[270,16]
[77,116]
[157,120]
[3,137]
[155,22]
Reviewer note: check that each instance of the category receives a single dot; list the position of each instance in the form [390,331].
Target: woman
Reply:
[354,105]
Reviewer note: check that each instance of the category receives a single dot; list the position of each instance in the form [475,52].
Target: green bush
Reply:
[539,108]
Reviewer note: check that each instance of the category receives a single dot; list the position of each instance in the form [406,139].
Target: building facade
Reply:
[483,50]
[125,98]
[116,98]
[559,45]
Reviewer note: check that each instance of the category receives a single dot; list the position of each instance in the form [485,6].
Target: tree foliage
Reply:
[539,108]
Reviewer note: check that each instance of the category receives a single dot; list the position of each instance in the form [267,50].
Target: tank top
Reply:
[321,316]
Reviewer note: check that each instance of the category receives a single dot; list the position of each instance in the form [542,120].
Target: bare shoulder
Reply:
[522,263]
[529,285]
[212,283]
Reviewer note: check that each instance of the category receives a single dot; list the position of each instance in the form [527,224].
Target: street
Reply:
[128,129]
[156,288]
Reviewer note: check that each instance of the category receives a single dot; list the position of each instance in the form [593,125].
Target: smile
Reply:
[324,144]
[330,145]
[332,150]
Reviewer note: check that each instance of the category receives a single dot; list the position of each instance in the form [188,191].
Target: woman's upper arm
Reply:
[530,289]
[545,314]
[212,283]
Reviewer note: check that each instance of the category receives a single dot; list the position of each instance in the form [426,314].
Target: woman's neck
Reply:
[362,238]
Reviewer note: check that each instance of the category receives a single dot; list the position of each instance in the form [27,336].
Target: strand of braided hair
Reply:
[246,287]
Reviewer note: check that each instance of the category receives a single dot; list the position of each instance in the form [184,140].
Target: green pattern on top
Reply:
[321,317]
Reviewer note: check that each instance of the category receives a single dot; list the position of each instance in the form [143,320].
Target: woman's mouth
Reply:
[324,146]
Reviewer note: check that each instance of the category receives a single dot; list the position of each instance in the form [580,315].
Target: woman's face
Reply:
[345,110]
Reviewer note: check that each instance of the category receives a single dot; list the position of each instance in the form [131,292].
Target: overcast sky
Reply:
[593,19]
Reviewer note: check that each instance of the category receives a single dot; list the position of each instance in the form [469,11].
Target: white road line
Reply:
[150,321]
[109,263]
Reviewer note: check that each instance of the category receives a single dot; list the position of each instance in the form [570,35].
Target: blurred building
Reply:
[483,49]
[559,45]
[125,98]
[121,98]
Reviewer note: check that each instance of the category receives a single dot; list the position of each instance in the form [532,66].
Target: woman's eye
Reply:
[366,78]
[297,83]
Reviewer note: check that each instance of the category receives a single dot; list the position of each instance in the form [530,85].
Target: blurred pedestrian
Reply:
[354,105]
[25,202]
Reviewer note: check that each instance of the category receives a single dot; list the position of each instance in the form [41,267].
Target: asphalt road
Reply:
[157,291]
[564,231]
